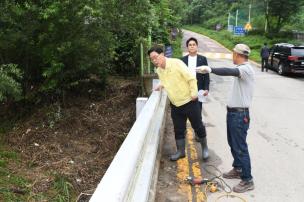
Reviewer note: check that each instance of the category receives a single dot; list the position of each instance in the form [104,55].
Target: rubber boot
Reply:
[197,138]
[180,153]
[205,151]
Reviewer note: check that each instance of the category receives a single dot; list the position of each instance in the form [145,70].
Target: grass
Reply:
[8,180]
[11,182]
[14,187]
[227,39]
[63,188]
[177,49]
[8,155]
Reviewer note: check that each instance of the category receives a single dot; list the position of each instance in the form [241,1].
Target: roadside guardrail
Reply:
[132,175]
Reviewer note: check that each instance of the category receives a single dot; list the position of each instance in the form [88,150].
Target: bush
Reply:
[55,43]
[10,88]
[211,23]
[281,34]
[62,43]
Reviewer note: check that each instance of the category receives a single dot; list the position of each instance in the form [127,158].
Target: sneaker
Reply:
[243,186]
[233,174]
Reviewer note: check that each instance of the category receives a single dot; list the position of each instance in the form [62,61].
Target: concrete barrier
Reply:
[140,103]
[131,175]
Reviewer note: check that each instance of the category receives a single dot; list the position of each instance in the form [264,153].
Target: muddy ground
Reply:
[77,141]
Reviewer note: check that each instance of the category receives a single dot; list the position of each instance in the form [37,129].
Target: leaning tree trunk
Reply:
[279,24]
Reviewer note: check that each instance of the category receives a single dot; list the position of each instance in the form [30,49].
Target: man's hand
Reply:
[193,98]
[158,87]
[203,69]
[206,92]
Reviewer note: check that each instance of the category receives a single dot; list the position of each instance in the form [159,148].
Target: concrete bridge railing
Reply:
[132,174]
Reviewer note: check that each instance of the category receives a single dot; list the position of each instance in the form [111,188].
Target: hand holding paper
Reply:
[205,92]
[204,69]
[202,95]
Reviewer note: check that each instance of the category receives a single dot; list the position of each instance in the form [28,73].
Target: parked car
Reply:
[286,58]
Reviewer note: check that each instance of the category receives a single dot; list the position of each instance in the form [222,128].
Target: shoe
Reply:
[244,186]
[180,153]
[233,174]
[205,150]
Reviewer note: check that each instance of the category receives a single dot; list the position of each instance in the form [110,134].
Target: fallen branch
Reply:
[85,193]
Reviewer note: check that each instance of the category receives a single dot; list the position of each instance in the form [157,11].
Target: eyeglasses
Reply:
[154,58]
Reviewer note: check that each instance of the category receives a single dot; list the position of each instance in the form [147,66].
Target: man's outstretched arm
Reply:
[223,71]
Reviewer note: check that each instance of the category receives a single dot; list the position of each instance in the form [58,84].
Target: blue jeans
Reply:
[237,126]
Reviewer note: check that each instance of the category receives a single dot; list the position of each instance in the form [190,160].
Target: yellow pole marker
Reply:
[196,170]
[182,174]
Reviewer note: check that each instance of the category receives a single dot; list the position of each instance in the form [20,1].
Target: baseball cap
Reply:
[242,49]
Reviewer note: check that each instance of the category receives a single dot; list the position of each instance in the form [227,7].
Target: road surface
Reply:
[275,137]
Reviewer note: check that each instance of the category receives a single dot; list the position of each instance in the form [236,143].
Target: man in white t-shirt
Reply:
[194,60]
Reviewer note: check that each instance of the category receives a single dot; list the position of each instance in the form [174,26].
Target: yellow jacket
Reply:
[178,81]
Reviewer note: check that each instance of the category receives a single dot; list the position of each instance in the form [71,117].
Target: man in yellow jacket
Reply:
[181,87]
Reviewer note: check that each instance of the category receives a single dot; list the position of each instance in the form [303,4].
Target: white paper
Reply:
[201,96]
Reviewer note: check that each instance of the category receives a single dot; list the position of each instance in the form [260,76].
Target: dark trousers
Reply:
[179,117]
[237,126]
[200,104]
[265,64]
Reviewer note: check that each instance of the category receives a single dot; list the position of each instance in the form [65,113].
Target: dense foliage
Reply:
[277,14]
[61,44]
[10,89]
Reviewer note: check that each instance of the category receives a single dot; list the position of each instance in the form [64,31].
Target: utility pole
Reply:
[228,20]
[236,17]
[249,13]
[230,26]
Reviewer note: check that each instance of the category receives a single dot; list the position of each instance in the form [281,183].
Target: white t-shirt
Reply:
[192,64]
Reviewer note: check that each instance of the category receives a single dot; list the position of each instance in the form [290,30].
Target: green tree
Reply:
[194,11]
[178,8]
[10,88]
[296,21]
[280,12]
[129,29]
[166,14]
[55,43]
[60,44]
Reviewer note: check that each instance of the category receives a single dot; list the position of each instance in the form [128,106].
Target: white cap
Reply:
[242,49]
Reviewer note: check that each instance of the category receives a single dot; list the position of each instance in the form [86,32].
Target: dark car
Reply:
[286,58]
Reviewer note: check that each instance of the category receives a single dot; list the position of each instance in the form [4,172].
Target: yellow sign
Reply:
[248,26]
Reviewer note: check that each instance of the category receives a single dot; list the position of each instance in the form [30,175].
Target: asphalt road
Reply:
[276,137]
[276,134]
